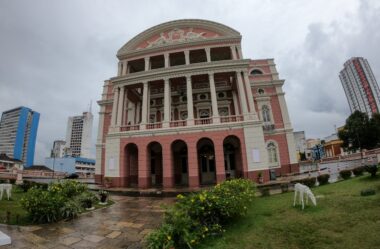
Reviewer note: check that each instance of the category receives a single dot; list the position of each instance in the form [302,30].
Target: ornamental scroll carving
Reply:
[176,35]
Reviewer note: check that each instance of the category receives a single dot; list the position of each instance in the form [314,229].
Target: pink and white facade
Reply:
[186,109]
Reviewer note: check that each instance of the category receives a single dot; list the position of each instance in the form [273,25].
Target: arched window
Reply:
[266,113]
[272,152]
[256,72]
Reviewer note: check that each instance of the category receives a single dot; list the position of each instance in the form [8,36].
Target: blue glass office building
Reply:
[18,133]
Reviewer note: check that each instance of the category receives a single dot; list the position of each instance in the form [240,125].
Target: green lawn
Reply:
[18,216]
[342,219]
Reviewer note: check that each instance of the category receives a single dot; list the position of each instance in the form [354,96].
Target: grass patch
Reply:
[342,219]
[12,213]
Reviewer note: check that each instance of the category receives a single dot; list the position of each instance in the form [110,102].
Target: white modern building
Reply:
[300,143]
[83,167]
[58,148]
[360,86]
[79,135]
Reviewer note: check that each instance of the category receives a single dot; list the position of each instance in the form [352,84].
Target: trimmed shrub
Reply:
[284,187]
[70,210]
[26,185]
[199,215]
[372,169]
[345,174]
[367,192]
[310,182]
[358,171]
[323,179]
[265,191]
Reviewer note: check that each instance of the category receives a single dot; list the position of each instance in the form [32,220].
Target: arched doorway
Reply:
[206,160]
[232,157]
[155,163]
[180,163]
[132,165]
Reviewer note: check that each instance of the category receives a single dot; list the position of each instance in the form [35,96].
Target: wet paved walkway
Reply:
[122,225]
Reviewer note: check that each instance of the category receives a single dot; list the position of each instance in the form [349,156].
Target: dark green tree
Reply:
[360,132]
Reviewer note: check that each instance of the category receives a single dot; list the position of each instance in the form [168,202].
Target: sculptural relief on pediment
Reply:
[177,35]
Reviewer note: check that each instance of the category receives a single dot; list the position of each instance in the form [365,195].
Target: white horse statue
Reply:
[5,187]
[303,190]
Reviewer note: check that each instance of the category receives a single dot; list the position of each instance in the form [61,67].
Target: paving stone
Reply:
[113,235]
[84,244]
[70,240]
[93,238]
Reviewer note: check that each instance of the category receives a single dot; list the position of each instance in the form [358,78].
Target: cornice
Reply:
[267,83]
[180,71]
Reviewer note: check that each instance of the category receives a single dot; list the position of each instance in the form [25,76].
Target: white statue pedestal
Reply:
[4,239]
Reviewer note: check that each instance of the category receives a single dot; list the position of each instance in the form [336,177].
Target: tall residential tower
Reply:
[79,134]
[360,86]
[18,132]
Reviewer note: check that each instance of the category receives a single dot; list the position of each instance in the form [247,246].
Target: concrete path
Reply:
[123,225]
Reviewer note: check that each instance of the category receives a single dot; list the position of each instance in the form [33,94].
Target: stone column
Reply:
[193,167]
[120,71]
[143,168]
[114,106]
[120,107]
[251,103]
[125,67]
[233,52]
[219,162]
[239,52]
[187,57]
[144,111]
[236,102]
[190,107]
[146,63]
[208,55]
[166,56]
[167,166]
[214,102]
[166,102]
[242,97]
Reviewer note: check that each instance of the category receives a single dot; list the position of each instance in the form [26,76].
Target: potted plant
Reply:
[88,202]
[260,177]
[108,182]
[103,194]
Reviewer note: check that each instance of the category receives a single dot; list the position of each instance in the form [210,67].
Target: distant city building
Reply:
[300,143]
[310,144]
[360,86]
[18,132]
[7,163]
[58,148]
[333,145]
[79,134]
[78,165]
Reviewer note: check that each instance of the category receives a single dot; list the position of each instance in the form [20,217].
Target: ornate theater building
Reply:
[186,109]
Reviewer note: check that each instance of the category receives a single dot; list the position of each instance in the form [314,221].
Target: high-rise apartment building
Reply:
[18,132]
[79,134]
[360,86]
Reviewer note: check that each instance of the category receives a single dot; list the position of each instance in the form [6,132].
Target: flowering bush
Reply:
[60,200]
[202,214]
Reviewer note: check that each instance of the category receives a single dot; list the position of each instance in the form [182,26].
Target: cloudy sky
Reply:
[55,55]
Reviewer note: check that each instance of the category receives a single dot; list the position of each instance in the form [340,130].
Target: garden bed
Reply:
[12,212]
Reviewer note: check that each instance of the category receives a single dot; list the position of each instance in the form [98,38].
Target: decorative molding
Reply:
[130,47]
